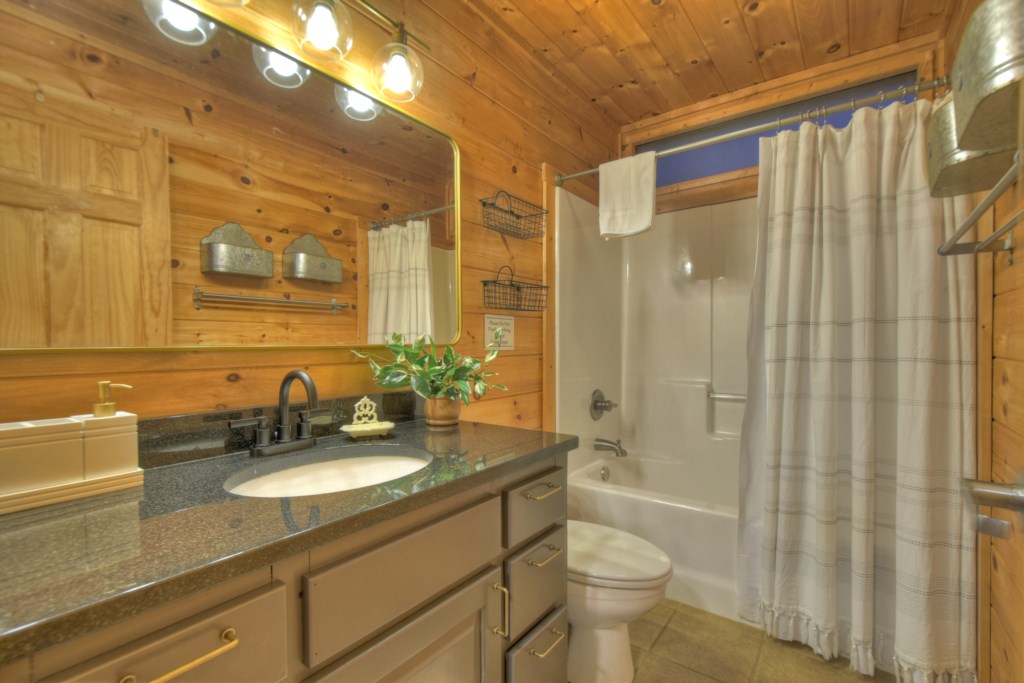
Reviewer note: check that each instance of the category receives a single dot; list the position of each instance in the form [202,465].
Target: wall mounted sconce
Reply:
[397,69]
[355,104]
[284,72]
[178,22]
[323,28]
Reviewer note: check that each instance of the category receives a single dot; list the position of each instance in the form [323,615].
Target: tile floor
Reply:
[675,643]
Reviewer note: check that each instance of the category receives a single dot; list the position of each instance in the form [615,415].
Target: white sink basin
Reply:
[330,470]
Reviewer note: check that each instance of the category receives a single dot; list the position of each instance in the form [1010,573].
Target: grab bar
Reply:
[726,396]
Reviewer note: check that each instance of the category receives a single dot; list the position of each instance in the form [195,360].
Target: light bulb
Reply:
[323,28]
[282,71]
[355,104]
[179,23]
[282,65]
[181,18]
[397,77]
[398,72]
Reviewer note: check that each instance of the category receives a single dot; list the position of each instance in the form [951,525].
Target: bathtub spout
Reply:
[609,445]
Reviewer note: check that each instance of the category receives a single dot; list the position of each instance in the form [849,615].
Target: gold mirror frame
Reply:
[270,27]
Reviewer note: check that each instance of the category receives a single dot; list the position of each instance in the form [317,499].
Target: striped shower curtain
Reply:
[400,297]
[860,418]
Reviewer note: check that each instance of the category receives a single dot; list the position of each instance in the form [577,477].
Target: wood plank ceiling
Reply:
[639,58]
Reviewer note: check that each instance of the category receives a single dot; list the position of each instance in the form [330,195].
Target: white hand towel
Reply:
[626,204]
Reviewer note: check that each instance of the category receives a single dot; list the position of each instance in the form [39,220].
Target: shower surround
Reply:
[657,321]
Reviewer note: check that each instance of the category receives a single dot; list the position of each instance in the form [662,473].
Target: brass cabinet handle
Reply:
[542,655]
[228,636]
[505,620]
[554,488]
[539,565]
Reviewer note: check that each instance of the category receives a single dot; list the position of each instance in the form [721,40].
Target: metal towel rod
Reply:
[199,296]
[952,246]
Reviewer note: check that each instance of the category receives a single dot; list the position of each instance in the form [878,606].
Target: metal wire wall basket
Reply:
[514,295]
[513,216]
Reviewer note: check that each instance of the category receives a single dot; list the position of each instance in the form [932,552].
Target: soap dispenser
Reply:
[106,407]
[110,436]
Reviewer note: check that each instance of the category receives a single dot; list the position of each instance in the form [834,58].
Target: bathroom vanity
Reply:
[454,572]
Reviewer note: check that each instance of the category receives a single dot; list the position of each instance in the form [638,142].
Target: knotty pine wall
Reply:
[507,115]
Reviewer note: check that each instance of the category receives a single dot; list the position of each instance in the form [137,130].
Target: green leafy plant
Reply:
[448,375]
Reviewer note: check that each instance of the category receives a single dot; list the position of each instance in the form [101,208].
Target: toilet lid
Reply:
[602,556]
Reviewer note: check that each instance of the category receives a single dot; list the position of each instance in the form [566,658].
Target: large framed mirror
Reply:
[161,194]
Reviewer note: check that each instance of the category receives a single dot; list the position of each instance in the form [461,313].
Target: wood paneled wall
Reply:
[507,115]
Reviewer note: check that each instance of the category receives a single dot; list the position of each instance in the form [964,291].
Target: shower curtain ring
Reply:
[903,92]
[881,100]
[778,125]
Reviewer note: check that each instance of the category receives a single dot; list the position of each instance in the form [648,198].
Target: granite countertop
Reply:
[71,568]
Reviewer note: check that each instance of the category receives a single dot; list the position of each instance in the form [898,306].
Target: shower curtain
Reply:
[860,415]
[400,296]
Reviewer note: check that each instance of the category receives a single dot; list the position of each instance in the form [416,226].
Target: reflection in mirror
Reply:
[123,149]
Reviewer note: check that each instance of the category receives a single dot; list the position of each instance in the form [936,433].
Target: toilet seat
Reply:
[610,558]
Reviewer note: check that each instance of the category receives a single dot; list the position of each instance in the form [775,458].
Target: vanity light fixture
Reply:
[355,104]
[284,72]
[179,23]
[397,69]
[323,28]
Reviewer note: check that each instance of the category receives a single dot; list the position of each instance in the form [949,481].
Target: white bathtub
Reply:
[667,504]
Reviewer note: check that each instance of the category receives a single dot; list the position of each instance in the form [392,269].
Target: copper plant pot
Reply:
[442,412]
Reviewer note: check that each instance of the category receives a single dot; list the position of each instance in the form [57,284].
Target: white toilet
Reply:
[614,578]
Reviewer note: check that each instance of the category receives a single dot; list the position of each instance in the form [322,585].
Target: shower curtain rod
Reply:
[819,113]
[377,225]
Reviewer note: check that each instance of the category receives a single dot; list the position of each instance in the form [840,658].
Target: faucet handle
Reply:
[262,425]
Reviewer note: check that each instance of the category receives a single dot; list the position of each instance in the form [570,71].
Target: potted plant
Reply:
[442,379]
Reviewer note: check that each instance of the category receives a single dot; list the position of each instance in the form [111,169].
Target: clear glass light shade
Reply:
[229,3]
[355,104]
[178,22]
[398,72]
[323,28]
[284,72]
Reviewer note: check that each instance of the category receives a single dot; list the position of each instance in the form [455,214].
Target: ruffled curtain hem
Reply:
[794,626]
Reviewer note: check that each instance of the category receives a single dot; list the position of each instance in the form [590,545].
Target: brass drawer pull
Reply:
[554,488]
[228,635]
[542,655]
[503,632]
[535,563]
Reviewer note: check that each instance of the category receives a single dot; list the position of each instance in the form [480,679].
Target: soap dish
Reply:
[367,429]
[365,424]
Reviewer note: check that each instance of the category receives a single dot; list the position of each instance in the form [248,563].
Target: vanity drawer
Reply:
[349,600]
[244,639]
[534,505]
[542,655]
[536,579]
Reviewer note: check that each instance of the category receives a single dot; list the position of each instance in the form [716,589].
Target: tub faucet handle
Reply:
[599,405]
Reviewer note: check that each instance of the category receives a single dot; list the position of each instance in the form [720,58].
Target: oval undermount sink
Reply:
[328,470]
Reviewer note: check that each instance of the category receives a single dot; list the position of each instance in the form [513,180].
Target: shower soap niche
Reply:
[307,259]
[230,250]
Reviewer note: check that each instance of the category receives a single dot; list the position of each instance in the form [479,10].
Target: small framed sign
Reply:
[507,323]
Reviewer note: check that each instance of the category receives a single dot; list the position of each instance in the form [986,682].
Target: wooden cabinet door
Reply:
[451,640]
[84,226]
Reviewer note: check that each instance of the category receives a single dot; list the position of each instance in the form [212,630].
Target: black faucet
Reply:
[304,427]
[285,442]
